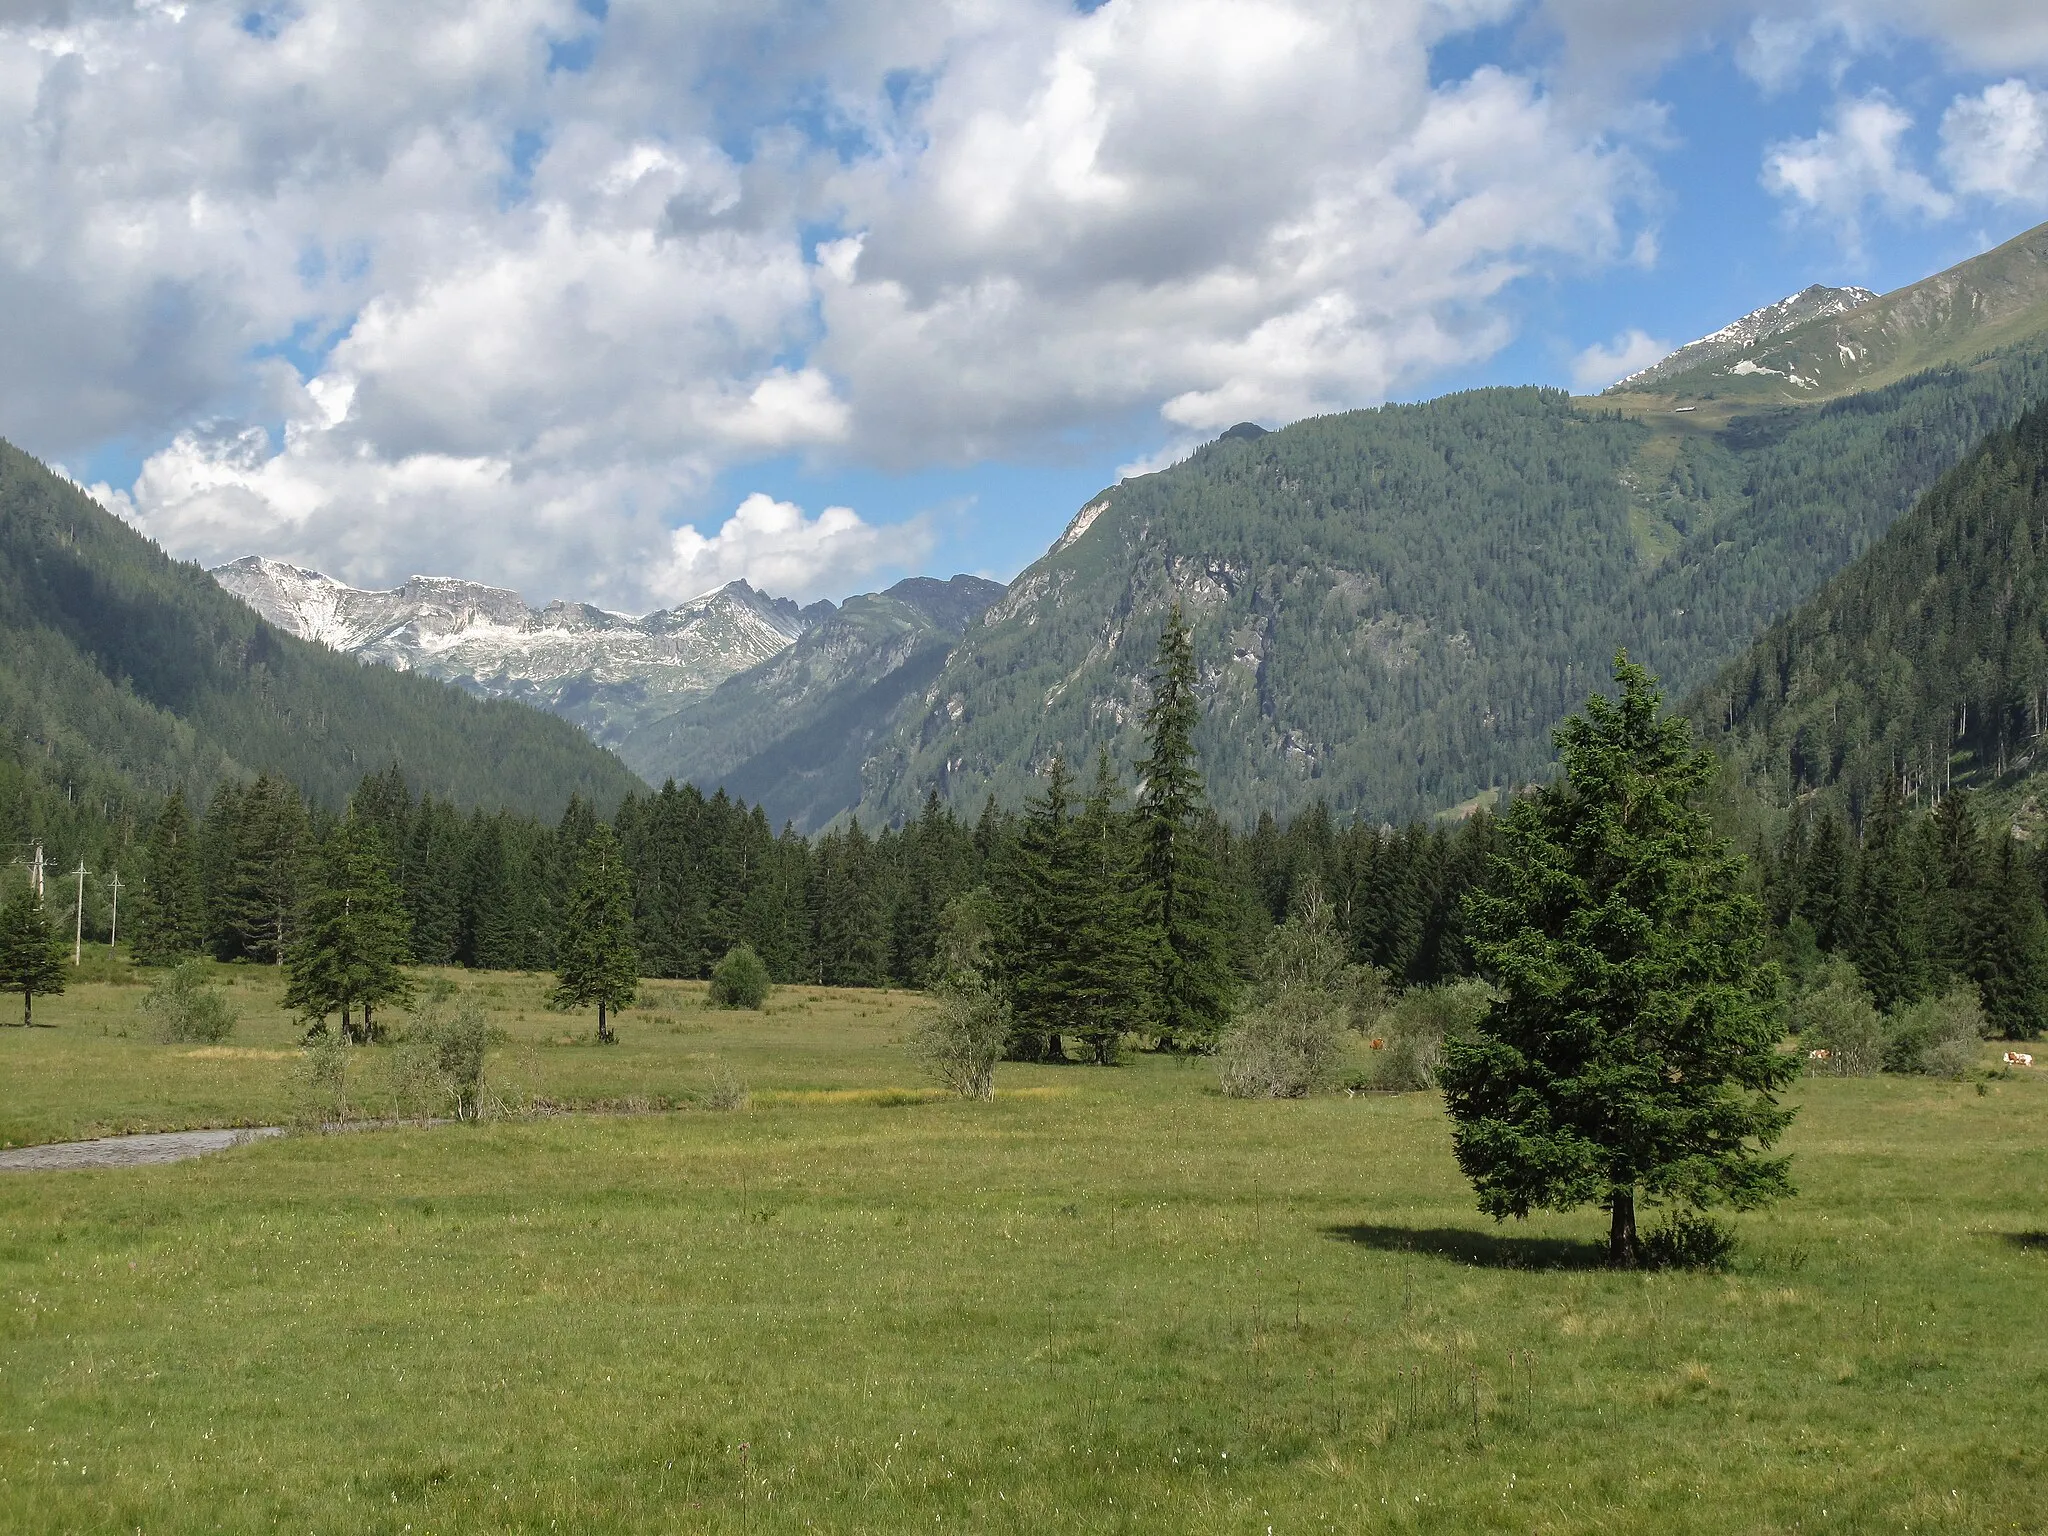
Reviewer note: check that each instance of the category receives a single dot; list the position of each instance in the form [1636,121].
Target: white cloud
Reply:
[536,314]
[1996,143]
[773,544]
[1856,162]
[1597,367]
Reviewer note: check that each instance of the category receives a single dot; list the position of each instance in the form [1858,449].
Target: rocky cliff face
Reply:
[608,672]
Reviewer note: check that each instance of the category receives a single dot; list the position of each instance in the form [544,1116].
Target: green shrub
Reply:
[1410,1047]
[1835,1015]
[1688,1240]
[1289,1042]
[186,1006]
[1939,1036]
[740,980]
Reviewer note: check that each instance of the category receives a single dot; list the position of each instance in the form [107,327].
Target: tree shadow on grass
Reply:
[2032,1242]
[1481,1249]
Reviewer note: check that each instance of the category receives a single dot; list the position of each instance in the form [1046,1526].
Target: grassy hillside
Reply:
[1928,657]
[124,675]
[1949,319]
[1393,607]
[1111,1301]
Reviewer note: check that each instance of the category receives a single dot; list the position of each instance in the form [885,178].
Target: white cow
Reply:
[2018,1059]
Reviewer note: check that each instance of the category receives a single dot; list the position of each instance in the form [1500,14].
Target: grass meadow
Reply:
[1111,1301]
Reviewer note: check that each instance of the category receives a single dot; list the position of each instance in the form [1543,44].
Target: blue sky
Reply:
[615,302]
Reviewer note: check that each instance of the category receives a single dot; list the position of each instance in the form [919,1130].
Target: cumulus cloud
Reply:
[1852,164]
[1631,352]
[508,290]
[773,544]
[1996,143]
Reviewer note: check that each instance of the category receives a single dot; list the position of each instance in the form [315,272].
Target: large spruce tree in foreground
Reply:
[596,962]
[1192,986]
[1633,1046]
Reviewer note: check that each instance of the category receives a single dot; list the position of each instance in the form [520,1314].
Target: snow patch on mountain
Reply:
[1815,303]
[608,672]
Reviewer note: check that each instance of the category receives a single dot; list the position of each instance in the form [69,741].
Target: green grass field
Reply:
[1111,1301]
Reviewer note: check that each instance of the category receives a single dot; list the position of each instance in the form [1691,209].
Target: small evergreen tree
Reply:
[31,958]
[597,962]
[1191,983]
[1633,1046]
[352,935]
[170,917]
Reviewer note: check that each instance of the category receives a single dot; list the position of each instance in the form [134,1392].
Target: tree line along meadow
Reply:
[1598,981]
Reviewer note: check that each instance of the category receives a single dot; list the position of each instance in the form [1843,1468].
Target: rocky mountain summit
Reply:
[608,672]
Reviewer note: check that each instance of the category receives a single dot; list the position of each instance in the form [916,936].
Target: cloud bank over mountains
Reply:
[505,289]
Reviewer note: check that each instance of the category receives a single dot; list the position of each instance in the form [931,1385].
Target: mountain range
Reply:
[125,675]
[610,673]
[1392,607]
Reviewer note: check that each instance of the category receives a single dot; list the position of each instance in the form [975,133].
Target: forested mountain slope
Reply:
[1926,658]
[1393,607]
[791,733]
[124,675]
[1953,317]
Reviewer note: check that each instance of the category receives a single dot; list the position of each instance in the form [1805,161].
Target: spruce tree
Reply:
[352,935]
[1633,1046]
[1824,883]
[169,922]
[2007,947]
[1039,898]
[1959,872]
[596,961]
[31,956]
[1191,983]
[1106,970]
[1887,941]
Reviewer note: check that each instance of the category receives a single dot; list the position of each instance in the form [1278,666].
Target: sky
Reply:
[618,301]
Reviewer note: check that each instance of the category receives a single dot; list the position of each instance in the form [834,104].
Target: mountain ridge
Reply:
[606,672]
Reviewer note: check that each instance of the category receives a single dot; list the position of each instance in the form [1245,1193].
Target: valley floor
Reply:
[1111,1301]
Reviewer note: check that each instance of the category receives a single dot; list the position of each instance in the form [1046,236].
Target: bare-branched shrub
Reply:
[440,1065]
[725,1090]
[1289,1041]
[1410,1045]
[320,1086]
[1939,1036]
[962,1035]
[1842,1034]
[186,1005]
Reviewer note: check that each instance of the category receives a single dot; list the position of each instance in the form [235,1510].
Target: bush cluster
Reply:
[740,980]
[1938,1036]
[186,1005]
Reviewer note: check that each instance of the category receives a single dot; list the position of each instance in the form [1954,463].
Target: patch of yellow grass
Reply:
[236,1053]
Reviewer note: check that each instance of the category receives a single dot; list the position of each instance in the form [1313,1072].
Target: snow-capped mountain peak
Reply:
[606,671]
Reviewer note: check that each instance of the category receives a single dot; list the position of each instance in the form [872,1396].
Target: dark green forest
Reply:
[1393,607]
[125,675]
[1924,665]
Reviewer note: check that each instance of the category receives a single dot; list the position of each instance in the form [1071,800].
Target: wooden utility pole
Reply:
[114,914]
[78,933]
[35,872]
